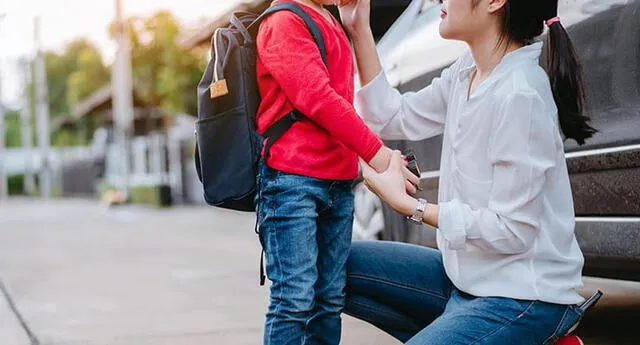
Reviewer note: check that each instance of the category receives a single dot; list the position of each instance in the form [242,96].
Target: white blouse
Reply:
[506,222]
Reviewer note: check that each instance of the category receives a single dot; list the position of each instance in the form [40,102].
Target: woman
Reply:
[509,263]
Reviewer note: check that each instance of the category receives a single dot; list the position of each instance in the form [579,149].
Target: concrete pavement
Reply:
[83,275]
[79,274]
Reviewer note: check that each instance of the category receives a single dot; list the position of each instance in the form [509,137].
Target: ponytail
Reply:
[567,84]
[523,21]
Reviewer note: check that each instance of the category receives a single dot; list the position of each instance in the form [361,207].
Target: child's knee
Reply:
[293,307]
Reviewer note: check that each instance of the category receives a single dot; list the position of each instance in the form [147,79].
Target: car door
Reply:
[605,173]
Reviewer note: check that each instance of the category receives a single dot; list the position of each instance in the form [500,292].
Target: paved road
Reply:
[78,274]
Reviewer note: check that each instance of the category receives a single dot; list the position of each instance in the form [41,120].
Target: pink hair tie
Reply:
[552,20]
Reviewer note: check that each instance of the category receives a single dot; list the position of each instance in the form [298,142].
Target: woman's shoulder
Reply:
[525,82]
[527,97]
[529,78]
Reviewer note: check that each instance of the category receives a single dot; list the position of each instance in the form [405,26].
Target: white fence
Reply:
[154,160]
[17,161]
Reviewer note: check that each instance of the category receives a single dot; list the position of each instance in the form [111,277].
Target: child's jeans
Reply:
[305,229]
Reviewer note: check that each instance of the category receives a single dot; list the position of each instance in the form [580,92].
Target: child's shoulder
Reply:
[284,21]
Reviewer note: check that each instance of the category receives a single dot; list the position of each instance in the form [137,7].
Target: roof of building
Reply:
[101,100]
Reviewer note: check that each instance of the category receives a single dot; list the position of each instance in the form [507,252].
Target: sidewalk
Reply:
[81,275]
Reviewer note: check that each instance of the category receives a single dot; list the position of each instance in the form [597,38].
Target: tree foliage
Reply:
[165,74]
[73,74]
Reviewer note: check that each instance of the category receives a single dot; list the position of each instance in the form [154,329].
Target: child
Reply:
[305,202]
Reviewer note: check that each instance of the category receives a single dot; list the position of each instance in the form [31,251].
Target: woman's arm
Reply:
[412,116]
[355,16]
[523,149]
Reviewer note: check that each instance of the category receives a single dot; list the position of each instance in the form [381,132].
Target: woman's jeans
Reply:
[403,290]
[305,229]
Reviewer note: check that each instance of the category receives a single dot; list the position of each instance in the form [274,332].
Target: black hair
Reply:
[523,20]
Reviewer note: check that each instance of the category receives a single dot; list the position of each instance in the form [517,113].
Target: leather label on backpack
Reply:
[219,88]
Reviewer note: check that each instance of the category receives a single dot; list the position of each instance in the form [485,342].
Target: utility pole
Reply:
[4,186]
[25,117]
[122,93]
[42,115]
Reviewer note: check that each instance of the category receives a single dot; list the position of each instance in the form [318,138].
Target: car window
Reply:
[424,49]
[391,45]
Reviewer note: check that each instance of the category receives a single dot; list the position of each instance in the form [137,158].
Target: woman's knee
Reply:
[373,258]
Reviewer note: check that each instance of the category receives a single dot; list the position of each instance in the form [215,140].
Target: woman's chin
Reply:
[449,33]
[444,31]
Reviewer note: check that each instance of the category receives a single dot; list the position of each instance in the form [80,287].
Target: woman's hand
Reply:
[355,15]
[380,163]
[390,185]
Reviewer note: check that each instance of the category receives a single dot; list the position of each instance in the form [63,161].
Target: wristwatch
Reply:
[418,214]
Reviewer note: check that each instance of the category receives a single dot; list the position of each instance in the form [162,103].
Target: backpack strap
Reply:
[300,12]
[275,131]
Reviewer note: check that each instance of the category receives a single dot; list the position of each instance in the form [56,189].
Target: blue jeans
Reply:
[305,229]
[403,290]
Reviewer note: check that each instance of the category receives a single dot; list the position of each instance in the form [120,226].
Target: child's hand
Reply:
[355,15]
[380,163]
[380,160]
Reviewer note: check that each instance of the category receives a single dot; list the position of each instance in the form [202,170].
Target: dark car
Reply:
[605,173]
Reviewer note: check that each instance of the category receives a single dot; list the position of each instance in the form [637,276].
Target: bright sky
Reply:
[64,20]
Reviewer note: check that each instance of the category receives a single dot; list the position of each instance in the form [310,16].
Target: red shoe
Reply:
[570,340]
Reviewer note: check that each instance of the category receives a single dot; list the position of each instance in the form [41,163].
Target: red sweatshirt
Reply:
[291,74]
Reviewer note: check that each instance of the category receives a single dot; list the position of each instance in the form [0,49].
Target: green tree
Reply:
[72,74]
[13,136]
[165,74]
[89,76]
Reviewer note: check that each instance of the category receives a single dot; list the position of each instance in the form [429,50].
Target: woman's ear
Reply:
[496,5]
